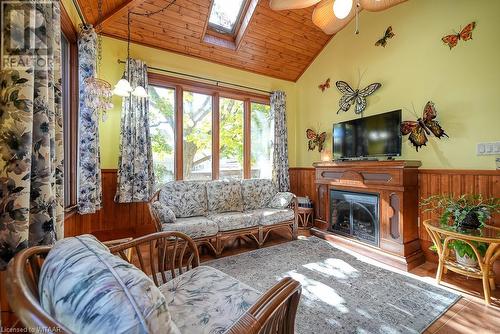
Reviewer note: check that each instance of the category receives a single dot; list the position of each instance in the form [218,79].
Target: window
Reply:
[225,15]
[262,139]
[162,130]
[205,132]
[231,138]
[66,106]
[69,101]
[197,134]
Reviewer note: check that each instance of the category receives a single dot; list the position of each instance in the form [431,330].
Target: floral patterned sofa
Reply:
[214,211]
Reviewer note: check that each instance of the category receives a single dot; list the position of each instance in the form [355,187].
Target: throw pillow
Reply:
[164,213]
[281,200]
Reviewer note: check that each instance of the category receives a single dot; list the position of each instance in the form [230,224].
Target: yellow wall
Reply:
[414,67]
[114,49]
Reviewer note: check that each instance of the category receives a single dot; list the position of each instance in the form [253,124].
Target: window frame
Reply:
[232,40]
[237,24]
[71,35]
[180,85]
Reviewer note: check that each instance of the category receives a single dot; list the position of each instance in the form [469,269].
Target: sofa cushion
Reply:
[185,198]
[224,196]
[90,290]
[195,227]
[228,221]
[205,300]
[163,213]
[273,216]
[281,200]
[257,193]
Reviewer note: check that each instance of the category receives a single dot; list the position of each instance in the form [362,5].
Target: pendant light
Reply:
[342,8]
[123,88]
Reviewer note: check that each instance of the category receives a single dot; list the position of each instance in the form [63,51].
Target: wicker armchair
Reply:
[163,256]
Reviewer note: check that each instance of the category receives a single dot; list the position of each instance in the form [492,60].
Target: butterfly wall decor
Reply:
[357,97]
[383,41]
[315,140]
[325,85]
[423,127]
[464,35]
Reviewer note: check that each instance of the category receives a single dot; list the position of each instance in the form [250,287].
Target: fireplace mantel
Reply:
[396,183]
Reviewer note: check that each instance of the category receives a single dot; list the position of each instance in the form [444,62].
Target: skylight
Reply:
[225,15]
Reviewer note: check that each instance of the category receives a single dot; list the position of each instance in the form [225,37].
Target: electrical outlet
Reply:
[488,148]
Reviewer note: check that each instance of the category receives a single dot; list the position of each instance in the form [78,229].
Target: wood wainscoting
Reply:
[114,220]
[431,182]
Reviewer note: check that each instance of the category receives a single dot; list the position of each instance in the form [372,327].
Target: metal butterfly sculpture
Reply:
[423,127]
[357,97]
[388,34]
[464,35]
[315,140]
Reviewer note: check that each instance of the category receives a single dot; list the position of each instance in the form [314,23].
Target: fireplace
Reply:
[355,215]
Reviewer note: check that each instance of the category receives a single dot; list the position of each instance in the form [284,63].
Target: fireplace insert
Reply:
[355,215]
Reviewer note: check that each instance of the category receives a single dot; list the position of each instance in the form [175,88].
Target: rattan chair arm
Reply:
[22,291]
[263,316]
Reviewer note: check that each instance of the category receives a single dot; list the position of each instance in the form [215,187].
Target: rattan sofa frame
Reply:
[216,242]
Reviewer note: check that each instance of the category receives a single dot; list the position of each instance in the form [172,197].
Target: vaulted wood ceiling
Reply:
[278,44]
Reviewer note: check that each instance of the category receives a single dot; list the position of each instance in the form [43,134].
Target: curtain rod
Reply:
[79,11]
[217,82]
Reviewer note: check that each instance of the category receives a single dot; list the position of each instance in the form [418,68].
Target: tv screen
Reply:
[372,136]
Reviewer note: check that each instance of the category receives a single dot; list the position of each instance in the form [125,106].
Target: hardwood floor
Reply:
[469,315]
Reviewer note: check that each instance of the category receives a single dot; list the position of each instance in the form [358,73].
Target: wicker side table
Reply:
[305,217]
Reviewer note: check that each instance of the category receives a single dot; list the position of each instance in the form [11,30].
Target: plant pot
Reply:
[471,221]
[466,261]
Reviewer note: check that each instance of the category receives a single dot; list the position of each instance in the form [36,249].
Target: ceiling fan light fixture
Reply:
[342,8]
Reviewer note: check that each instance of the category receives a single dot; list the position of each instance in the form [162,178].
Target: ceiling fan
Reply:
[333,15]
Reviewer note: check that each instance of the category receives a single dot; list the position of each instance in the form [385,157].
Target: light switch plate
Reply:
[492,148]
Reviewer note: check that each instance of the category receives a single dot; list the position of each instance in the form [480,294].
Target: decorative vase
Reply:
[466,261]
[471,221]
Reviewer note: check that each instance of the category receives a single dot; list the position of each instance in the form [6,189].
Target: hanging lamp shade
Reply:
[324,18]
[291,4]
[140,91]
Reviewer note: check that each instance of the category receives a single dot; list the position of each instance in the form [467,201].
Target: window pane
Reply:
[197,132]
[231,139]
[66,118]
[162,130]
[262,139]
[225,14]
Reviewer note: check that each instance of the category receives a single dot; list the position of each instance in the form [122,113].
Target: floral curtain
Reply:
[135,165]
[280,154]
[31,126]
[89,185]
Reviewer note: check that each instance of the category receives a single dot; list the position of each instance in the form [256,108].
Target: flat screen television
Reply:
[371,136]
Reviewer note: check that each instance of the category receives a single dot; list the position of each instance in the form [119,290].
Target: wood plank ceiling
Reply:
[277,44]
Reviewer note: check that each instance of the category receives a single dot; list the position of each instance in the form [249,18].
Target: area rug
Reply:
[341,293]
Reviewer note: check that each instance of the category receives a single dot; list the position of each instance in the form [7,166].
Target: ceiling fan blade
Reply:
[291,4]
[324,18]
[377,5]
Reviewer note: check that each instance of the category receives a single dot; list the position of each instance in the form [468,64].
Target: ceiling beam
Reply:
[118,11]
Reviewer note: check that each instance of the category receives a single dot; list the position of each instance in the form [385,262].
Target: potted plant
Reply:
[463,212]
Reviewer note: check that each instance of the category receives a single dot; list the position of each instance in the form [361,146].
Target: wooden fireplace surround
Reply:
[396,183]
